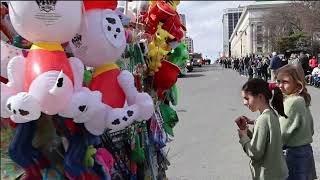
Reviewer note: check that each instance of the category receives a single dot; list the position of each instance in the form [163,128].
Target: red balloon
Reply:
[39,61]
[88,4]
[107,84]
[166,77]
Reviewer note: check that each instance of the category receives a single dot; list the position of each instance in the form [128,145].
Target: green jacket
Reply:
[297,129]
[265,148]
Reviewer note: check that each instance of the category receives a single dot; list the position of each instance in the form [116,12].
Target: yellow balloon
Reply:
[174,5]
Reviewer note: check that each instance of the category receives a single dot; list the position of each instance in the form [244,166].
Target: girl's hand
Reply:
[243,133]
[248,120]
[241,122]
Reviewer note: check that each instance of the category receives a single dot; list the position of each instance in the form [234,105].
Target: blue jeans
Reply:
[300,163]
[21,150]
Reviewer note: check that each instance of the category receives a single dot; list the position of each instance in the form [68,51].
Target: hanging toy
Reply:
[45,81]
[100,42]
[166,77]
[164,12]
[158,49]
[179,55]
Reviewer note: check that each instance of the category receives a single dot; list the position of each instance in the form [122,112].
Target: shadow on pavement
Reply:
[192,75]
[207,68]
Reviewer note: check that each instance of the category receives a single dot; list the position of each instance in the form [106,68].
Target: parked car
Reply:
[197,62]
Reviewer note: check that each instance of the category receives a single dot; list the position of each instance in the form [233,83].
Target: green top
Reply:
[297,129]
[265,148]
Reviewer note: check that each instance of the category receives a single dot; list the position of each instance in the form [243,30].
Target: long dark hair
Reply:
[259,86]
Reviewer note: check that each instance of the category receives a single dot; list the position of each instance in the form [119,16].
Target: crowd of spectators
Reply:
[265,67]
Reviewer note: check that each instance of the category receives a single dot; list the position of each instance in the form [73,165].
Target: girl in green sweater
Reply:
[297,129]
[264,145]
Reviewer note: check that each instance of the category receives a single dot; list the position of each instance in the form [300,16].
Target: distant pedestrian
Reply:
[264,144]
[304,61]
[313,62]
[250,71]
[264,69]
[246,62]
[296,129]
[293,59]
[275,64]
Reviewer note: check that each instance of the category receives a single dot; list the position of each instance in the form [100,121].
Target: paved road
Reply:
[206,141]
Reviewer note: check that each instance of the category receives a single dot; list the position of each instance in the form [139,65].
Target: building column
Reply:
[251,38]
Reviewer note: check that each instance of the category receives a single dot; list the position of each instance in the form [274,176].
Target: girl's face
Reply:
[287,84]
[252,102]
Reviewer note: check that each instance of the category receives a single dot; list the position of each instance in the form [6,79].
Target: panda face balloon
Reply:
[46,20]
[101,39]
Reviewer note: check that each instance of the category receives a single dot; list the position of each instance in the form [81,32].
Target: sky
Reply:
[204,24]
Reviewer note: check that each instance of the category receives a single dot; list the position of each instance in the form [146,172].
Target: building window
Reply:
[259,49]
[259,28]
[259,39]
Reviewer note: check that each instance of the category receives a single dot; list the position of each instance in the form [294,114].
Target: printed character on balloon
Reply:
[45,81]
[100,42]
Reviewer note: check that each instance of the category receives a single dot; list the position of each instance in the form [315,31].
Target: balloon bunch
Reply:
[47,83]
[166,55]
[46,88]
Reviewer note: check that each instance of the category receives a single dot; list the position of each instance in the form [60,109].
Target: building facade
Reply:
[230,19]
[184,22]
[189,42]
[249,35]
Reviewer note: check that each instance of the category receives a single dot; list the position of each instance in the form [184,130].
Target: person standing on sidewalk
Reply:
[264,145]
[297,129]
[275,64]
[304,61]
[313,62]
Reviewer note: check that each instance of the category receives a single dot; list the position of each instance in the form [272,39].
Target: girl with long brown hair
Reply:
[297,129]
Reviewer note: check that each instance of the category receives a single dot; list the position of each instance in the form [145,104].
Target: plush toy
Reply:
[46,81]
[158,49]
[82,159]
[100,42]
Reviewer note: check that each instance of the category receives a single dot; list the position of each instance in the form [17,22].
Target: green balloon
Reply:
[179,55]
[170,118]
[87,76]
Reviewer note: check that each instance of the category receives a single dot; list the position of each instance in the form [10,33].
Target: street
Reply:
[206,140]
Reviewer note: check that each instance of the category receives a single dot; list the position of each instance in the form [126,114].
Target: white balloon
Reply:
[7,53]
[52,98]
[46,21]
[101,39]
[24,106]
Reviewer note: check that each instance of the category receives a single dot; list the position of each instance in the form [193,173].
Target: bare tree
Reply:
[296,17]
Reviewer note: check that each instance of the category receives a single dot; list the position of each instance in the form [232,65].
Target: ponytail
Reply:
[277,102]
[269,91]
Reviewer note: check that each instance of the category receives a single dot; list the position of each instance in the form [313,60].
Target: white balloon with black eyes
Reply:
[99,43]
